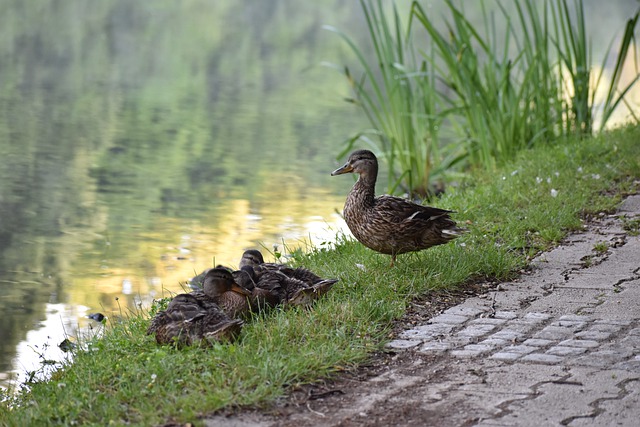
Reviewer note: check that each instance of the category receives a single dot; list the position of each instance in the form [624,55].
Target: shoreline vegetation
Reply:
[445,92]
[513,213]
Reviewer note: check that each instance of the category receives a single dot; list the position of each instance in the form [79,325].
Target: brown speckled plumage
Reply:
[190,320]
[388,224]
[220,288]
[289,286]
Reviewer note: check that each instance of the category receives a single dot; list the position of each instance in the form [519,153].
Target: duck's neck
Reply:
[365,188]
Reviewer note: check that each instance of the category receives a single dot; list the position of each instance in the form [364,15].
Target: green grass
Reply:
[631,226]
[601,248]
[512,214]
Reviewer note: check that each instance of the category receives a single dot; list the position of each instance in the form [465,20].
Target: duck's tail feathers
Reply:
[452,233]
[323,286]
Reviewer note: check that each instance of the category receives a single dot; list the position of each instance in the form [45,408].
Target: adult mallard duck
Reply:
[220,288]
[293,286]
[192,320]
[388,224]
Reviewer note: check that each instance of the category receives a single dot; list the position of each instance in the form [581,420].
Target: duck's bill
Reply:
[240,290]
[344,169]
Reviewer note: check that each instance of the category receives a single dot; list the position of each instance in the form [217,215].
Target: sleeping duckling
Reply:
[189,320]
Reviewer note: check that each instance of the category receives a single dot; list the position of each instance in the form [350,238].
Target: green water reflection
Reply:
[143,141]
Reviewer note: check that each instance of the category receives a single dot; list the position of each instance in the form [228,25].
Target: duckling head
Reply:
[219,281]
[251,257]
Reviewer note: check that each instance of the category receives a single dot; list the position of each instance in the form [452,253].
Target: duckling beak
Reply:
[240,290]
[344,169]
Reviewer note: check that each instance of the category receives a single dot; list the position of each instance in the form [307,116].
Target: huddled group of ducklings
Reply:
[222,298]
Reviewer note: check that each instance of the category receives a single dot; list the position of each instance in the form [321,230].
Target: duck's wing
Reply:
[324,286]
[222,330]
[398,210]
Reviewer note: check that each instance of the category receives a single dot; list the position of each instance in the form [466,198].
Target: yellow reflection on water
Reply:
[162,260]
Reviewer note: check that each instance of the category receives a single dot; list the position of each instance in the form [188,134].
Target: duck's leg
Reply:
[393,260]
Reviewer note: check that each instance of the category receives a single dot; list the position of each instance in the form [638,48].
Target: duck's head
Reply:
[246,277]
[251,257]
[362,162]
[182,299]
[219,281]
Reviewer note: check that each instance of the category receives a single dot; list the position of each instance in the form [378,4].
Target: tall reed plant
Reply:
[396,93]
[479,96]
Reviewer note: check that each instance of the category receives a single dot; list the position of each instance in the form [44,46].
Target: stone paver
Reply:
[530,333]
[574,330]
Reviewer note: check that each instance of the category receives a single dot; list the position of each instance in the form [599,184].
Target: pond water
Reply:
[141,142]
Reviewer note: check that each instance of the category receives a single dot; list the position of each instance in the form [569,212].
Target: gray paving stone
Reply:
[546,359]
[507,335]
[613,322]
[593,335]
[400,344]
[537,317]
[476,330]
[464,311]
[537,342]
[631,341]
[480,348]
[524,325]
[569,324]
[506,356]
[605,327]
[566,351]
[495,342]
[603,358]
[428,332]
[451,319]
[629,365]
[435,347]
[507,315]
[520,349]
[555,333]
[488,321]
[461,341]
[579,343]
[466,353]
[575,318]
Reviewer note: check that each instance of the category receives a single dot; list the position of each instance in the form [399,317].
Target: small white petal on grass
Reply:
[554,192]
[595,176]
[538,180]
[361,267]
